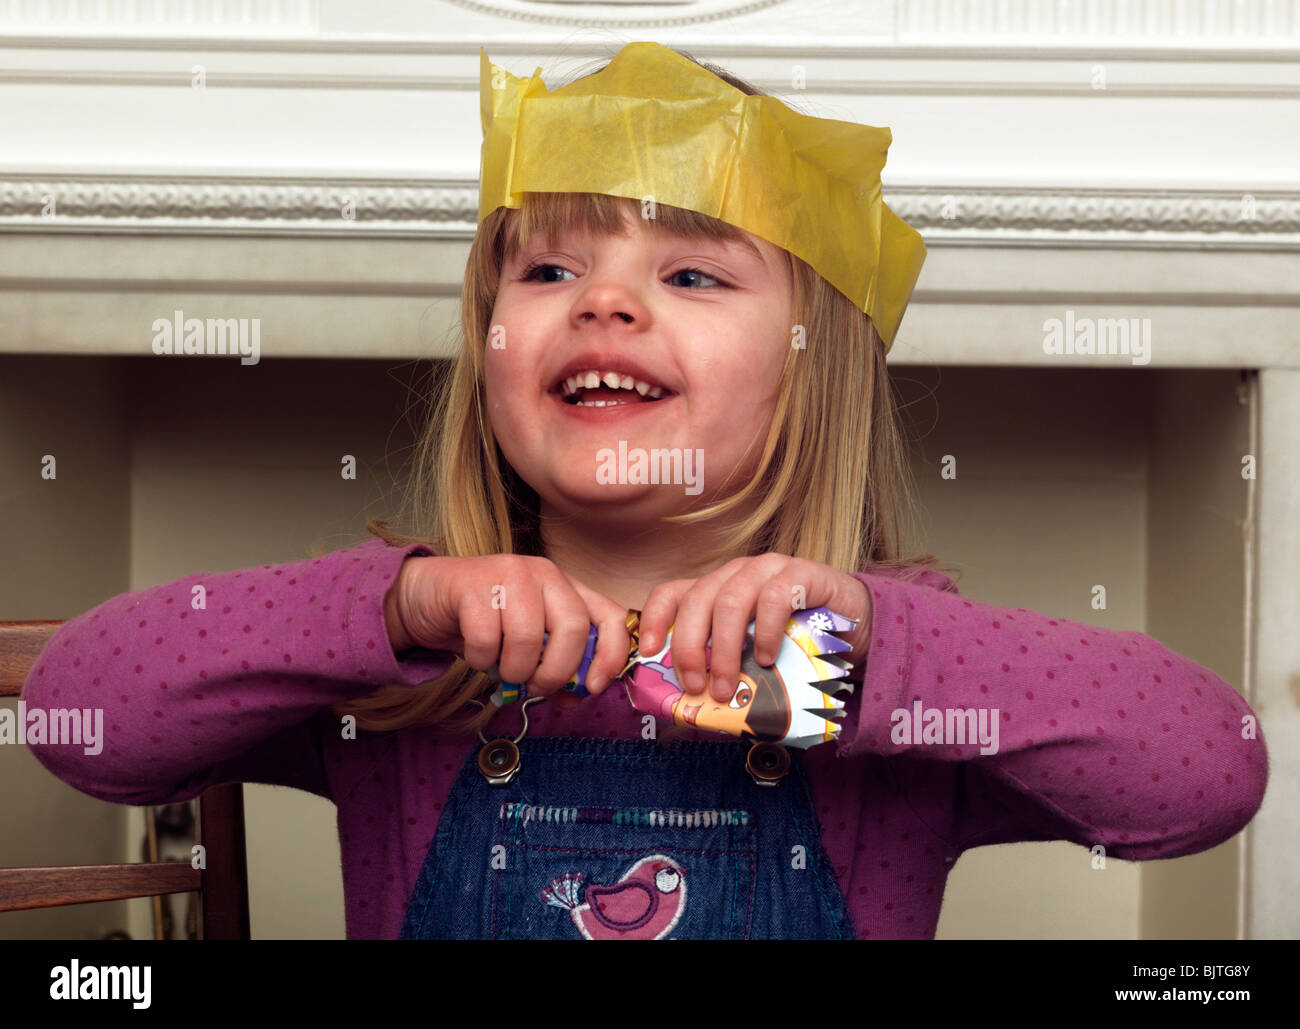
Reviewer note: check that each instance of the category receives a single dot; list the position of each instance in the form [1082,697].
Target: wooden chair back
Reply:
[222,886]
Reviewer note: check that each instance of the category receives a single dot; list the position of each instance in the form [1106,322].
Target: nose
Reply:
[588,316]
[609,300]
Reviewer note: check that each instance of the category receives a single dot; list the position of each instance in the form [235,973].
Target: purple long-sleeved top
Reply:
[1105,737]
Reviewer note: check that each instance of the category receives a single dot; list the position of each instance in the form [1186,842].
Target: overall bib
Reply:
[627,839]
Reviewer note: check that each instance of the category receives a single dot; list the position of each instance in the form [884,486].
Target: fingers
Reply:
[568,627]
[710,617]
[522,612]
[546,618]
[531,620]
[613,642]
[477,623]
[518,613]
[778,599]
[734,606]
[658,614]
[693,622]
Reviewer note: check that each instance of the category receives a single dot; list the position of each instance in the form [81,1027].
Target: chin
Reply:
[634,500]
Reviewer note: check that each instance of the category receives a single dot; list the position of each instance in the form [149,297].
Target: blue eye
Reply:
[531,274]
[698,271]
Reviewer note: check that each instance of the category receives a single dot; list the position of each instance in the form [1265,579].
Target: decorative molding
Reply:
[1166,21]
[953,26]
[190,204]
[186,205]
[1076,84]
[169,17]
[827,45]
[957,22]
[829,66]
[559,13]
[1264,219]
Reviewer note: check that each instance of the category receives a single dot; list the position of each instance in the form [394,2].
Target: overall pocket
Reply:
[622,873]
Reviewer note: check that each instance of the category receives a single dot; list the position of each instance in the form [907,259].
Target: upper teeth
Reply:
[614,380]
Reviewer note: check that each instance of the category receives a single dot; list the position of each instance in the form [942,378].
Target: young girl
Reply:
[360,676]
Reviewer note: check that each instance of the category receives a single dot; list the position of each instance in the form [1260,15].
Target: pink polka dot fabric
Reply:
[1104,737]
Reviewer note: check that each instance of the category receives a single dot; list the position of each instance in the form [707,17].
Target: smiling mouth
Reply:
[609,389]
[689,714]
[604,396]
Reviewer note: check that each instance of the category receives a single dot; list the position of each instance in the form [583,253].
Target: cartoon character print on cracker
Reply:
[645,904]
[759,708]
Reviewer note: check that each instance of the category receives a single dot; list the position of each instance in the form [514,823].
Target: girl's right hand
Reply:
[494,610]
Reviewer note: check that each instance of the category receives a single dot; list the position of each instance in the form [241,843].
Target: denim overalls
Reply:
[627,839]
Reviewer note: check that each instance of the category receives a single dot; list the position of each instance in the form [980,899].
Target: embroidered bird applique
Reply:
[645,904]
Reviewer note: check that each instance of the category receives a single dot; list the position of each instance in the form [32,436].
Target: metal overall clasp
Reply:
[499,760]
[767,763]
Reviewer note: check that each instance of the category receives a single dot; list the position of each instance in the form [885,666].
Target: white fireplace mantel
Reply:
[314,164]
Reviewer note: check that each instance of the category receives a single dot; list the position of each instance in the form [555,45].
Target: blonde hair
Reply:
[833,484]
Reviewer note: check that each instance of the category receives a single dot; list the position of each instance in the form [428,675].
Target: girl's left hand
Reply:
[765,590]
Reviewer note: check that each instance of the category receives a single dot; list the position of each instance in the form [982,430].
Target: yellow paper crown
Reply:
[654,124]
